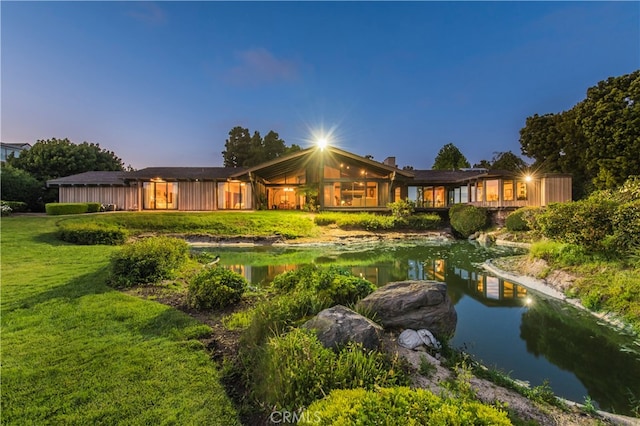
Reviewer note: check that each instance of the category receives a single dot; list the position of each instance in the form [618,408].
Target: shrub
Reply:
[520,219]
[5,210]
[626,226]
[402,208]
[467,219]
[345,289]
[66,208]
[92,233]
[147,261]
[15,206]
[399,405]
[279,314]
[586,222]
[216,288]
[335,284]
[296,369]
[19,185]
[94,207]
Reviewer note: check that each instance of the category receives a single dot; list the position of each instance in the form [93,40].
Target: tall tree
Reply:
[597,141]
[610,120]
[243,150]
[237,147]
[54,158]
[507,161]
[450,158]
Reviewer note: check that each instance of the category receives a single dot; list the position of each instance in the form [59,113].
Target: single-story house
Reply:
[339,180]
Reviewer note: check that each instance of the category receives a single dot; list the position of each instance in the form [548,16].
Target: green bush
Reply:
[280,313]
[16,206]
[466,220]
[92,233]
[402,208]
[399,405]
[216,288]
[626,227]
[520,219]
[66,208]
[336,285]
[344,289]
[93,207]
[296,369]
[147,261]
[586,222]
[301,278]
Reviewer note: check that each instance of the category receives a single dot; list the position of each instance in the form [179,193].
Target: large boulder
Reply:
[337,326]
[413,304]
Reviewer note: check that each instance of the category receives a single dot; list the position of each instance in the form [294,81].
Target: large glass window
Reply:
[160,195]
[439,196]
[521,190]
[492,191]
[507,190]
[479,191]
[464,194]
[234,196]
[352,194]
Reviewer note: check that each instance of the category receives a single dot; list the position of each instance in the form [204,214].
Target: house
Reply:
[6,149]
[337,180]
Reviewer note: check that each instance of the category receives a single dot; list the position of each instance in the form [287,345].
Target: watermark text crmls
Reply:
[293,417]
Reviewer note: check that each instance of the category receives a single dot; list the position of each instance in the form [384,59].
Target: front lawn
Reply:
[75,351]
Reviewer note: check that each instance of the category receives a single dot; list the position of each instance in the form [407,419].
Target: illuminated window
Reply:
[479,193]
[507,190]
[159,195]
[234,196]
[492,190]
[439,193]
[521,190]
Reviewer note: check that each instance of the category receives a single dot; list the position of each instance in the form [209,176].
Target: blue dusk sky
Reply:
[162,83]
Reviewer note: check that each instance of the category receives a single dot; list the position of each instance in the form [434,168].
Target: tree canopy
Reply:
[245,150]
[597,141]
[54,158]
[503,161]
[450,158]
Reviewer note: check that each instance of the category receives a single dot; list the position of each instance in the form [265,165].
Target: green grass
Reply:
[75,351]
[289,224]
[607,285]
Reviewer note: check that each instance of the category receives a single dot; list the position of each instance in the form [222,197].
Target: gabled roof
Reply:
[301,159]
[182,173]
[90,178]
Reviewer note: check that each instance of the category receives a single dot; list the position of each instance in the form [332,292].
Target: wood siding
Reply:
[197,196]
[556,189]
[125,198]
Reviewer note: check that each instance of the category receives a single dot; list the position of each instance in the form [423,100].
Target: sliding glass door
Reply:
[160,195]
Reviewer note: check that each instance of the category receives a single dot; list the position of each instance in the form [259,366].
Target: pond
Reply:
[502,324]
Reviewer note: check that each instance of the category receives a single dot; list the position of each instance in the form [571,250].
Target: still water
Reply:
[502,324]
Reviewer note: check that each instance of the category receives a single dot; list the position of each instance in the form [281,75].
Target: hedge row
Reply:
[92,233]
[71,208]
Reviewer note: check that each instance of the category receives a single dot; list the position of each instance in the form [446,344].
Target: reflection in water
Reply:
[570,342]
[499,322]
